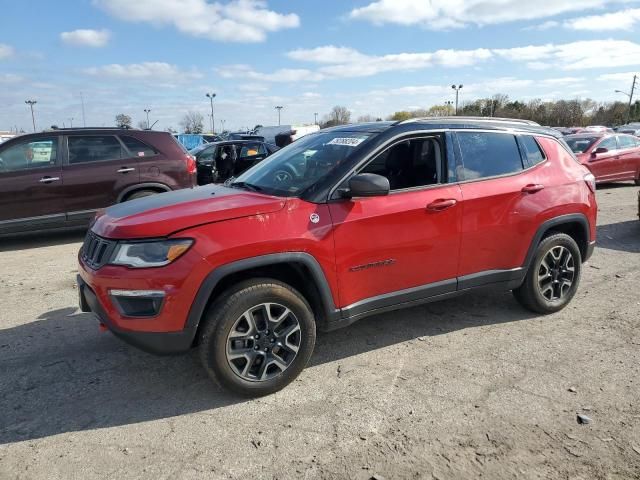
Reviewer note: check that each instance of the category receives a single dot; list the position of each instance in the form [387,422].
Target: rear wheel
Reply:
[258,337]
[553,276]
[141,194]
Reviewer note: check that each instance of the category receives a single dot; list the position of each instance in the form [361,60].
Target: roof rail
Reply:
[474,119]
[55,127]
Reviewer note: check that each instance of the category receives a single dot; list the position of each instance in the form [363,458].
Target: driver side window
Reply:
[608,143]
[413,163]
[30,154]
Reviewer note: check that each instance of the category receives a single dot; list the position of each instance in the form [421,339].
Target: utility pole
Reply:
[279,108]
[31,103]
[147,111]
[315,115]
[211,96]
[633,88]
[84,123]
[457,89]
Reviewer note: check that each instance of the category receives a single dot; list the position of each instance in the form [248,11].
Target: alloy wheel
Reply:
[556,273]
[263,342]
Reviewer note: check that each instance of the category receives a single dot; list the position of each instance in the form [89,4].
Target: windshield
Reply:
[298,166]
[195,151]
[581,144]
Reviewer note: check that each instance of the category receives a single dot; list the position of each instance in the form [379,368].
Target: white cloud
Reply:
[444,14]
[576,55]
[347,62]
[283,75]
[622,20]
[147,71]
[617,77]
[10,78]
[253,88]
[548,25]
[235,21]
[86,38]
[6,51]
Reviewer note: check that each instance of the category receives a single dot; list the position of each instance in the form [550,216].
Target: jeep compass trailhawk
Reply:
[341,224]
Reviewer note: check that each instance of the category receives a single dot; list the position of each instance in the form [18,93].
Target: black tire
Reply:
[545,290]
[141,194]
[225,315]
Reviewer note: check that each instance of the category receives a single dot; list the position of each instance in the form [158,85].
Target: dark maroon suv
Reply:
[58,179]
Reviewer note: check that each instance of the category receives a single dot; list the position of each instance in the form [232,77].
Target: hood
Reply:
[166,213]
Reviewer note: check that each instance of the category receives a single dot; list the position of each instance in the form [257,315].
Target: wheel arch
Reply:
[575,225]
[300,270]
[159,187]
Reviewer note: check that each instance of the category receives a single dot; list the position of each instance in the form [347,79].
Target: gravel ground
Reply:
[466,388]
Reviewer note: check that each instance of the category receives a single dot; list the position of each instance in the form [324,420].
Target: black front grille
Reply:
[96,250]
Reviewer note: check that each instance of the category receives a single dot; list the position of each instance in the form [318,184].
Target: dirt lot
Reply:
[467,388]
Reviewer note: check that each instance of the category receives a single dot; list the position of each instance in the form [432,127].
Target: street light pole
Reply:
[315,116]
[31,103]
[147,110]
[222,122]
[211,96]
[449,104]
[279,108]
[457,89]
[71,122]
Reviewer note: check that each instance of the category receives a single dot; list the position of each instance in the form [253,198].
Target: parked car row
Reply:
[59,179]
[610,157]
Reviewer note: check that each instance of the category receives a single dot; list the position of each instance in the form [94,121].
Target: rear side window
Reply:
[531,151]
[137,147]
[488,155]
[94,148]
[626,142]
[252,150]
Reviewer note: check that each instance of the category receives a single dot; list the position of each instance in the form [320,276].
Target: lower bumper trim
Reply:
[159,343]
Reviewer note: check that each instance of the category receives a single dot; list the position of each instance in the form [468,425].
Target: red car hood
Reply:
[164,214]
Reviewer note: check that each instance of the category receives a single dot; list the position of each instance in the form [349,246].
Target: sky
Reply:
[373,56]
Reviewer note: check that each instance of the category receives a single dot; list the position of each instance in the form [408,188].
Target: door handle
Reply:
[532,188]
[440,204]
[49,179]
[125,170]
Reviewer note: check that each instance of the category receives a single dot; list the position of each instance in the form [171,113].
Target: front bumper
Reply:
[160,343]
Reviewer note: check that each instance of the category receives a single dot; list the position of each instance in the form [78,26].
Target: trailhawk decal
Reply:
[367,266]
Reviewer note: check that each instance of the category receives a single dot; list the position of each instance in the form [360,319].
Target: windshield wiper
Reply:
[246,186]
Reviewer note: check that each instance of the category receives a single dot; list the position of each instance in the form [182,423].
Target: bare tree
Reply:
[192,122]
[123,121]
[366,119]
[338,116]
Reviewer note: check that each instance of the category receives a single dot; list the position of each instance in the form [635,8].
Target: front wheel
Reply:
[553,276]
[258,337]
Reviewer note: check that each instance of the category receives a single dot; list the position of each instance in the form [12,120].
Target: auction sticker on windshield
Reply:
[348,142]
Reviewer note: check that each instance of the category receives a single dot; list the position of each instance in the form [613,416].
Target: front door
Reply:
[404,246]
[605,165]
[248,155]
[31,185]
[96,171]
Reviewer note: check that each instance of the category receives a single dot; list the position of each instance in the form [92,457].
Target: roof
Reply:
[444,123]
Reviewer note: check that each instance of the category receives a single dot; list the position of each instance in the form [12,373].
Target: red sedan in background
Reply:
[610,157]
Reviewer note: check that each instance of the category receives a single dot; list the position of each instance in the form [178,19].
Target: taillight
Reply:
[191,164]
[590,180]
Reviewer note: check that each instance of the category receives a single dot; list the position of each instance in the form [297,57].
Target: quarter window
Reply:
[410,163]
[531,150]
[488,155]
[138,148]
[94,148]
[34,153]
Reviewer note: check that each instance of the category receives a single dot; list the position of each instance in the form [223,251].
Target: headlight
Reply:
[150,254]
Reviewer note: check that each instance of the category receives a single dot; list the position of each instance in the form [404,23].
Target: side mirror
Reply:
[600,150]
[368,185]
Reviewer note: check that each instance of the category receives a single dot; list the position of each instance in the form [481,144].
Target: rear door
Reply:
[96,170]
[249,154]
[31,189]
[605,166]
[501,202]
[629,157]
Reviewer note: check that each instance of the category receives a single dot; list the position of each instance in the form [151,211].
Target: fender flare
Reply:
[142,186]
[214,277]
[579,218]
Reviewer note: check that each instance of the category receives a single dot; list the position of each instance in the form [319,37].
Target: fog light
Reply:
[138,303]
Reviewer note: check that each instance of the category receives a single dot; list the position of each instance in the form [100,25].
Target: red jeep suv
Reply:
[341,224]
